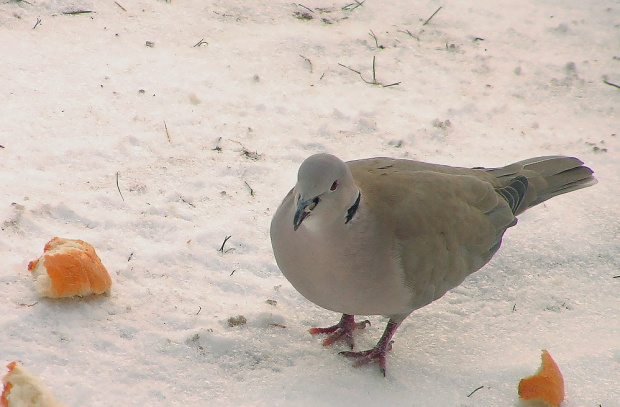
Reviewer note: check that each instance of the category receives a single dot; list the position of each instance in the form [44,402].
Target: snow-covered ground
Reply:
[203,141]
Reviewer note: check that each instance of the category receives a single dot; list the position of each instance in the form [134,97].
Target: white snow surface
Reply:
[204,141]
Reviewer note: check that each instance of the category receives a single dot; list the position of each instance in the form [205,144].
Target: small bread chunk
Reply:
[22,389]
[68,268]
[547,384]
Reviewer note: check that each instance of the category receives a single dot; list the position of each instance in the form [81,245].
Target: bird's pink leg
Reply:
[342,330]
[379,351]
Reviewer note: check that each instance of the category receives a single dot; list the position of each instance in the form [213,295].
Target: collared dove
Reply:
[384,236]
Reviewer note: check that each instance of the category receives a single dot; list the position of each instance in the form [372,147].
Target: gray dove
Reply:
[384,236]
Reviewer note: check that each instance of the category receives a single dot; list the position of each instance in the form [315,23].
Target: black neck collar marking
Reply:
[351,211]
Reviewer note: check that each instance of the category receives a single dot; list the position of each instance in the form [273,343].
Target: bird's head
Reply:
[324,191]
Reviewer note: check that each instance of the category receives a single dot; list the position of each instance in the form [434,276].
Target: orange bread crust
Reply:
[73,268]
[23,389]
[4,402]
[547,384]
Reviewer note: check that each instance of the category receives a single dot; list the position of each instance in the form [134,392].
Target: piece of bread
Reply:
[68,268]
[547,384]
[22,389]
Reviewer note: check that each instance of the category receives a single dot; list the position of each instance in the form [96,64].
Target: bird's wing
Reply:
[445,222]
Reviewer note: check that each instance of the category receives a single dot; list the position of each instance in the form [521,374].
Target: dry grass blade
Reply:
[118,187]
[167,133]
[374,76]
[76,12]
[431,17]
[606,82]
[353,6]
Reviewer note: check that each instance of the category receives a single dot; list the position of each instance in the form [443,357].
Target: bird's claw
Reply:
[378,353]
[343,330]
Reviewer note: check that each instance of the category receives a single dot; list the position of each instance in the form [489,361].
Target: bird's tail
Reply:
[546,177]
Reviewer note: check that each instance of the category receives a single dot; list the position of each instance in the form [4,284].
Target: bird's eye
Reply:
[334,186]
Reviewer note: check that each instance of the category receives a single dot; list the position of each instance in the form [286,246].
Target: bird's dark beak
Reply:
[304,209]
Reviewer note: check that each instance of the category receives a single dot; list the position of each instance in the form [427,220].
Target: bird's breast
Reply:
[345,271]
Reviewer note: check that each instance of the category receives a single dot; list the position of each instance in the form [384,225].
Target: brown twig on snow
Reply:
[430,18]
[119,4]
[309,9]
[372,34]
[38,22]
[167,133]
[353,6]
[475,390]
[224,242]
[308,61]
[199,43]
[118,187]
[606,82]
[351,69]
[374,77]
[76,12]
[250,188]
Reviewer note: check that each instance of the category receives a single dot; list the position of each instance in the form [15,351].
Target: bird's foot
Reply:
[377,353]
[343,330]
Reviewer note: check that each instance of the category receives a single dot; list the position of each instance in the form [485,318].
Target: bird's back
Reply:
[444,222]
[448,222]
